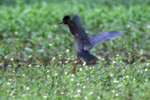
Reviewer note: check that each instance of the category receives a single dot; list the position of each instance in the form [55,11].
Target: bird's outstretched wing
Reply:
[105,36]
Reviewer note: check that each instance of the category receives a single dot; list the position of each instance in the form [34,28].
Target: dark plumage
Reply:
[84,42]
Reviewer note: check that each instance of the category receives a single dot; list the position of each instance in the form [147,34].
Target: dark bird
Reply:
[85,42]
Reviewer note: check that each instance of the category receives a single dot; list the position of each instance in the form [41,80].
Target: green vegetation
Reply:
[35,50]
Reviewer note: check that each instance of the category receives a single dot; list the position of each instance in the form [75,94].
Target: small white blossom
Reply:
[53,58]
[91,93]
[84,87]
[12,59]
[146,69]
[115,81]
[79,91]
[127,76]
[8,83]
[29,65]
[50,44]
[85,98]
[72,79]
[116,94]
[62,93]
[80,69]
[78,84]
[56,74]
[113,91]
[67,50]
[45,96]
[27,88]
[66,73]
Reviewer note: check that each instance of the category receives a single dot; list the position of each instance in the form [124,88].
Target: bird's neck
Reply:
[73,29]
[78,33]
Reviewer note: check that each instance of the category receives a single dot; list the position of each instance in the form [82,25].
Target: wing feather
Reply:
[105,36]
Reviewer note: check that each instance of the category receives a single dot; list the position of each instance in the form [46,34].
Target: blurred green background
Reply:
[36,52]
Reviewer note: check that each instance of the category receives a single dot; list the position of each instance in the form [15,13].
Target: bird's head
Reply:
[66,19]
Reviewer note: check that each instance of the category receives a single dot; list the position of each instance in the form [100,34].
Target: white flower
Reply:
[79,91]
[147,64]
[86,98]
[127,76]
[146,69]
[27,88]
[23,75]
[80,69]
[111,74]
[84,87]
[56,74]
[91,93]
[12,59]
[62,93]
[29,65]
[45,96]
[72,75]
[66,73]
[113,91]
[8,83]
[16,33]
[114,62]
[72,79]
[53,58]
[116,94]
[48,76]
[78,84]
[50,44]
[115,81]
[98,97]
[67,50]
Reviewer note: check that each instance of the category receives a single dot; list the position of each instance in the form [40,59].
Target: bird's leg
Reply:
[74,69]
[75,63]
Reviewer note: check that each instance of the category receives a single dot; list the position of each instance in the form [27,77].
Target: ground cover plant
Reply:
[36,52]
